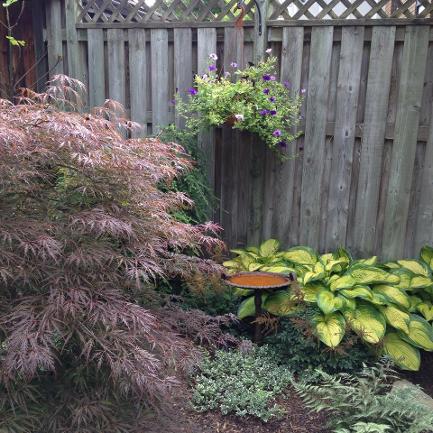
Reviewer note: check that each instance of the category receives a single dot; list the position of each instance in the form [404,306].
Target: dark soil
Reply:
[423,377]
[298,419]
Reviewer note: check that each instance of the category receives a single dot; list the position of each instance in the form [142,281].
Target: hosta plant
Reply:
[388,305]
[85,231]
[249,99]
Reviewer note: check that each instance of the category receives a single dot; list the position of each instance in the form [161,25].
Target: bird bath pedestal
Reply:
[259,282]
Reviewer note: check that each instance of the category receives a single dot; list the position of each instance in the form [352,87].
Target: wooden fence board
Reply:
[376,103]
[320,64]
[344,136]
[404,148]
[95,52]
[159,78]
[54,37]
[283,193]
[138,78]
[74,63]
[424,224]
[116,65]
[182,65]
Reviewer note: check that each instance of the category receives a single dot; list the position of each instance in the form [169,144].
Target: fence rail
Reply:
[364,175]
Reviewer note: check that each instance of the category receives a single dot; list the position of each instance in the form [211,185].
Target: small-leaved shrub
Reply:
[302,354]
[241,383]
[366,402]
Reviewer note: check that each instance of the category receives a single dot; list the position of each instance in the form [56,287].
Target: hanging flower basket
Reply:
[249,99]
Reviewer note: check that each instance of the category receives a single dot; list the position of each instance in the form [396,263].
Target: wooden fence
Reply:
[364,175]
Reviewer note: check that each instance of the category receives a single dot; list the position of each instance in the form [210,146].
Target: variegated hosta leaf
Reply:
[279,269]
[310,291]
[269,248]
[411,281]
[238,291]
[426,255]
[281,303]
[328,302]
[396,318]
[414,302]
[364,274]
[392,294]
[363,292]
[420,333]
[426,309]
[337,265]
[344,282]
[402,353]
[248,308]
[367,322]
[330,328]
[415,266]
[301,256]
[370,261]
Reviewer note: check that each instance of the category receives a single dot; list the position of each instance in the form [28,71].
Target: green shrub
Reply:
[388,306]
[241,383]
[302,354]
[193,183]
[367,403]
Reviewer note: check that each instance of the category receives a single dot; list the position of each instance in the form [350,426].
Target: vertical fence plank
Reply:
[54,37]
[376,103]
[291,69]
[138,78]
[207,44]
[74,64]
[424,225]
[404,148]
[344,135]
[318,87]
[182,65]
[95,52]
[159,77]
[233,52]
[116,65]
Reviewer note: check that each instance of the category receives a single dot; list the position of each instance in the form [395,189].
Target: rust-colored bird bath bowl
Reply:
[259,282]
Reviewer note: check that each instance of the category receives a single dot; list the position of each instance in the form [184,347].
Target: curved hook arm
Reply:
[259,12]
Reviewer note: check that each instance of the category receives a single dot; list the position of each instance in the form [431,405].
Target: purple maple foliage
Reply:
[85,231]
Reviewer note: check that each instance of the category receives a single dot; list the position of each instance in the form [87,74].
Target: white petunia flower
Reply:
[213,56]
[239,117]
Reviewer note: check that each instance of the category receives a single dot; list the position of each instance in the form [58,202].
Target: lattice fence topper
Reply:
[142,11]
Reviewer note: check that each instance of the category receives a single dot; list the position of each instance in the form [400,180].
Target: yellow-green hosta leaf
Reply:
[238,291]
[426,256]
[414,266]
[330,328]
[393,294]
[396,318]
[405,278]
[281,303]
[392,265]
[367,322]
[232,264]
[344,282]
[269,247]
[420,333]
[336,265]
[325,258]
[379,299]
[420,282]
[278,269]
[301,256]
[252,267]
[310,291]
[347,303]
[247,260]
[426,309]
[312,276]
[364,274]
[363,292]
[370,261]
[248,308]
[327,302]
[239,252]
[402,353]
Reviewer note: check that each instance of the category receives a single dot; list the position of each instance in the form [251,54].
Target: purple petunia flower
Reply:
[287,84]
[277,133]
[263,112]
[282,144]
[212,68]
[173,102]
[273,78]
[266,77]
[233,64]
[266,91]
[272,99]
[273,112]
[192,91]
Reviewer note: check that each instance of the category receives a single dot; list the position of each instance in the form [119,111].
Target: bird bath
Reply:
[259,282]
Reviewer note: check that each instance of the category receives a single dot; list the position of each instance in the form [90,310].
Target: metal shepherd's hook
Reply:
[240,20]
